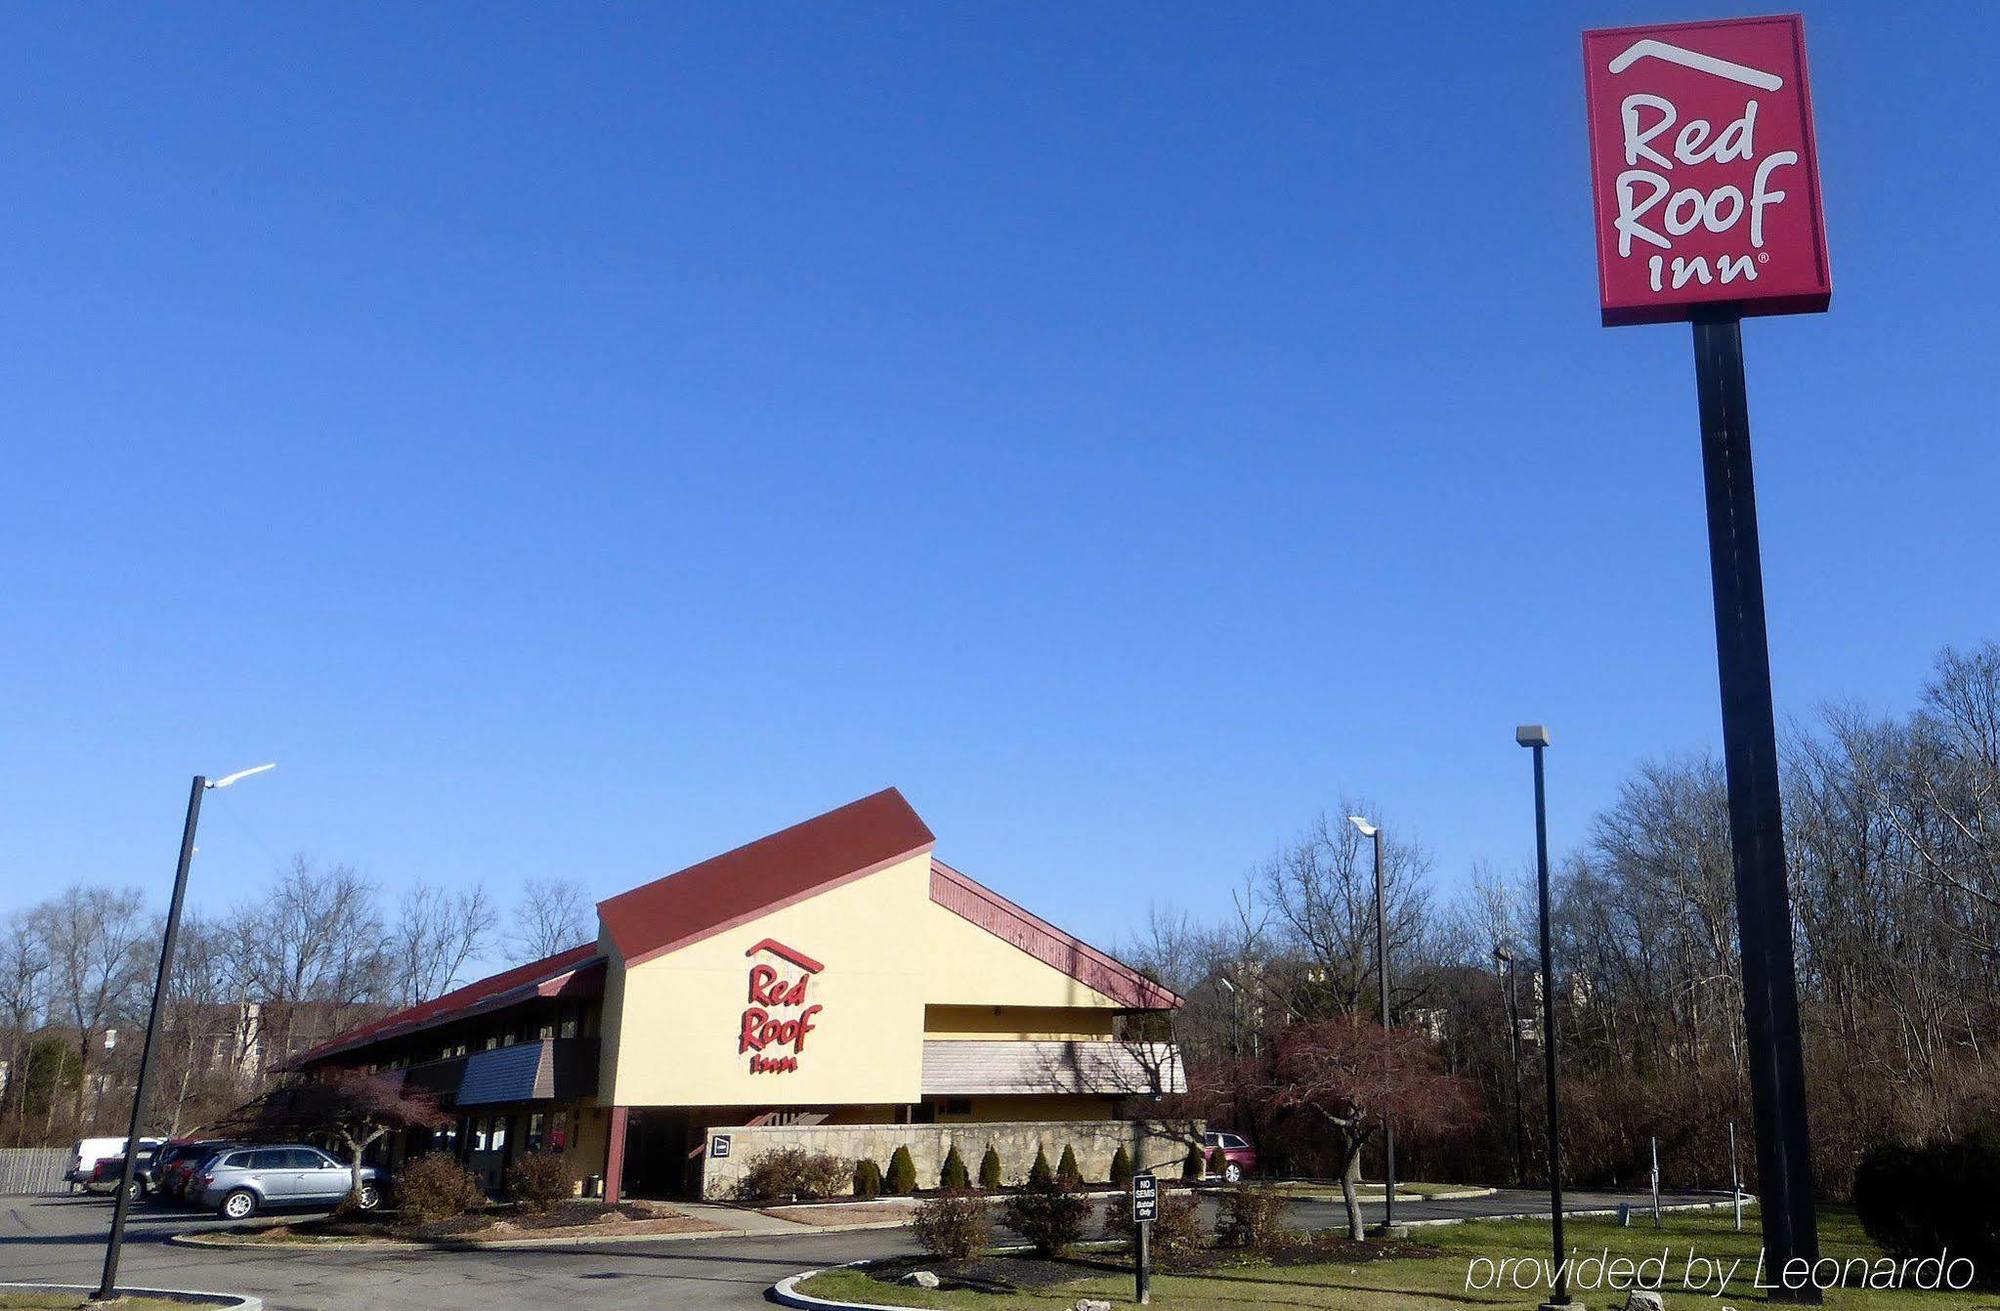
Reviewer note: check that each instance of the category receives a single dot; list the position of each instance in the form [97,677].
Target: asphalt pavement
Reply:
[61,1240]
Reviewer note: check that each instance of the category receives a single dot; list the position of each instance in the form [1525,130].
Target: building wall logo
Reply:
[779,1014]
[1703,165]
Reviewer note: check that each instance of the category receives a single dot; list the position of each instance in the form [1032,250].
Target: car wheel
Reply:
[135,1190]
[239,1205]
[1232,1173]
[369,1198]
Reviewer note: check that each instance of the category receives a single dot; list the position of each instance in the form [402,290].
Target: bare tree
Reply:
[24,1000]
[99,959]
[311,952]
[437,933]
[551,916]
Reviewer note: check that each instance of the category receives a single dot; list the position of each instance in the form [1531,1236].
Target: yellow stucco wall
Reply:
[1020,1023]
[671,1024]
[1032,1107]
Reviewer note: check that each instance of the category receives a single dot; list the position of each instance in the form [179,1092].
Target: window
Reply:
[535,1122]
[270,1160]
[491,1043]
[559,1130]
[479,1134]
[567,1028]
[499,1141]
[303,1158]
[507,1038]
[545,1031]
[1232,1142]
[239,1160]
[957,1106]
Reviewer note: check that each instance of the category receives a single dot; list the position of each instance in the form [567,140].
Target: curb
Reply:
[228,1301]
[226,1242]
[786,1293]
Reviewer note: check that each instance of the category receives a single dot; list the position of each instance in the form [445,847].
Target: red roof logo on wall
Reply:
[780,950]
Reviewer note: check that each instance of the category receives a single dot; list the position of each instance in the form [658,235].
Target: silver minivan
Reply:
[243,1180]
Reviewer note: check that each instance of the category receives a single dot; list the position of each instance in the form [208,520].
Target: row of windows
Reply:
[488,1133]
[570,1022]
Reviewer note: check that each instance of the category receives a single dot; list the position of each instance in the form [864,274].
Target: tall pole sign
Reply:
[1706,181]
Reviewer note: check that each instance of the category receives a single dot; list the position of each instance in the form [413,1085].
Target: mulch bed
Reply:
[995,1274]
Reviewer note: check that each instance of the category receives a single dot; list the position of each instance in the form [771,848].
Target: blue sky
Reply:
[575,440]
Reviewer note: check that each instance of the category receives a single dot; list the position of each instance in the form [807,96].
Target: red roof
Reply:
[773,872]
[551,976]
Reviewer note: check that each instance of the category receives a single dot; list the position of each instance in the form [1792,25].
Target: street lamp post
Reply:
[1374,833]
[1536,738]
[107,1287]
[1512,967]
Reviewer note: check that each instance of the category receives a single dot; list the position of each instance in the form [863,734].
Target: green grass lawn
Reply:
[1440,1283]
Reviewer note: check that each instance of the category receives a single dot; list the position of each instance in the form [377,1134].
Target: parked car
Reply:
[242,1181]
[1239,1158]
[87,1152]
[175,1164]
[109,1170]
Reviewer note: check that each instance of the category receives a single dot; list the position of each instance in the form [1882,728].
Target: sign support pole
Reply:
[1756,819]
[1143,1268]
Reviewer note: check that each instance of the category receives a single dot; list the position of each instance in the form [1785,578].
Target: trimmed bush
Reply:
[539,1180]
[1218,1162]
[902,1178]
[794,1172]
[867,1180]
[1176,1230]
[1250,1216]
[1049,1216]
[436,1187]
[953,1176]
[1191,1165]
[989,1169]
[1920,1201]
[1039,1172]
[953,1225]
[1067,1172]
[1121,1168]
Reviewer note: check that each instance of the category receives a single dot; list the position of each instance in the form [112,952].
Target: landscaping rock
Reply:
[1091,1304]
[925,1279]
[1643,1299]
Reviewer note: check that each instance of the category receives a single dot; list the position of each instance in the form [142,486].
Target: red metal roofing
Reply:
[773,872]
[547,977]
[1048,944]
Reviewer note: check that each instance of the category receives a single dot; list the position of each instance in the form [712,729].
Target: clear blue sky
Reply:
[575,440]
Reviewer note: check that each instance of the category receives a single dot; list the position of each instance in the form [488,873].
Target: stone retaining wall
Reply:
[1154,1145]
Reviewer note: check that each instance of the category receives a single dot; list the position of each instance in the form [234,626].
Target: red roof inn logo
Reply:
[777,1019]
[1702,162]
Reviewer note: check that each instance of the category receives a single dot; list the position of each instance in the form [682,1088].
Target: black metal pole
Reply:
[107,1287]
[1382,967]
[1514,1052]
[1559,1295]
[1756,817]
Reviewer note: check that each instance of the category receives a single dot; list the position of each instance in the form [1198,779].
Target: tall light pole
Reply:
[1374,833]
[1512,968]
[107,1287]
[1536,738]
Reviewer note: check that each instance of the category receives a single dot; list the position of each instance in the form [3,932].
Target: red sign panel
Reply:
[1702,162]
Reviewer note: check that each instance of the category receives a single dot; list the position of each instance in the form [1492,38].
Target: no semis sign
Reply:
[1703,167]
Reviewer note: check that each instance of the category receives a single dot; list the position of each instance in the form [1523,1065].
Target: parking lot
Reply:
[61,1240]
